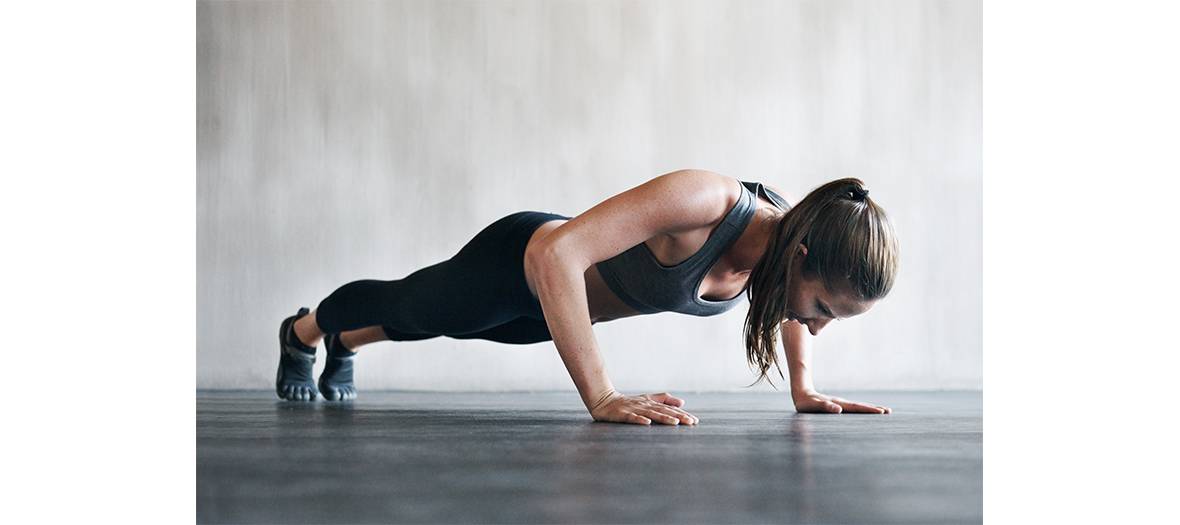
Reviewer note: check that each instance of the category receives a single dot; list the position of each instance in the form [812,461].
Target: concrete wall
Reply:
[348,140]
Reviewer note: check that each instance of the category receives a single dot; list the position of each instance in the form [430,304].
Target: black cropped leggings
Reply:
[480,293]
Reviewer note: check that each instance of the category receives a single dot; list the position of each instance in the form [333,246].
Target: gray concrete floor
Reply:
[398,457]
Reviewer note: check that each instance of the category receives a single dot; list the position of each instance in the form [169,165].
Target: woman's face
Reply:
[810,304]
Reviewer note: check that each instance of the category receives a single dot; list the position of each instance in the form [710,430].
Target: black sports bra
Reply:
[649,287]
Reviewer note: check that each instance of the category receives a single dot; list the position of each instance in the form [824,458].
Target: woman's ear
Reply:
[797,260]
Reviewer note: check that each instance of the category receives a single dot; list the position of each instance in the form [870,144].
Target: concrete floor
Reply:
[526,458]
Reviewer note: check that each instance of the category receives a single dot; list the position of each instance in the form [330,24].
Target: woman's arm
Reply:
[797,347]
[677,202]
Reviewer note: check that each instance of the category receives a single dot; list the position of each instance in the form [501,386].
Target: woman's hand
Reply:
[816,402]
[644,410]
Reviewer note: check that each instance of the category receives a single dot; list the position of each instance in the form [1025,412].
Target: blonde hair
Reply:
[851,248]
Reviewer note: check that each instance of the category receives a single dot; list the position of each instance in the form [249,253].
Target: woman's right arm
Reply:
[797,348]
[676,202]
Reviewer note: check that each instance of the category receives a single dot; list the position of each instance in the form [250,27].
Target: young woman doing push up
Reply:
[691,241]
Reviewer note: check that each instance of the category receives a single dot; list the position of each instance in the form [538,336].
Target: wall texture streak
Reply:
[352,140]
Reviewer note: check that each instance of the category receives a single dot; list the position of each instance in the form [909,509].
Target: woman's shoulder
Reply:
[713,186]
[679,201]
[701,187]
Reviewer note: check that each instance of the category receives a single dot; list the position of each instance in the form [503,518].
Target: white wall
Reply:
[349,140]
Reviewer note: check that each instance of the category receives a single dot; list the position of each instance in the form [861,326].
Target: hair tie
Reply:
[859,194]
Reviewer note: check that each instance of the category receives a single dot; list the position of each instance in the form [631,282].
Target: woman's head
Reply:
[832,256]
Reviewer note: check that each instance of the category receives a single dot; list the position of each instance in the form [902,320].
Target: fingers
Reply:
[666,415]
[666,399]
[645,410]
[669,406]
[637,419]
[861,408]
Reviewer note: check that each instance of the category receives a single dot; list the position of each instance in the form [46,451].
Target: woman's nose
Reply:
[815,325]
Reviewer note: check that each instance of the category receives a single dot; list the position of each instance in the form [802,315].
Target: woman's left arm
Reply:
[797,347]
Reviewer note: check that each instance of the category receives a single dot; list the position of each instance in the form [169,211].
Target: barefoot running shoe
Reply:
[336,381]
[294,382]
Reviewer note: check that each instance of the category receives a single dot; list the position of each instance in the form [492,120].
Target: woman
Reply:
[690,241]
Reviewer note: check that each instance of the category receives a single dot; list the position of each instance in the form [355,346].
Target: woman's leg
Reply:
[309,334]
[480,293]
[353,340]
[307,330]
[481,287]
